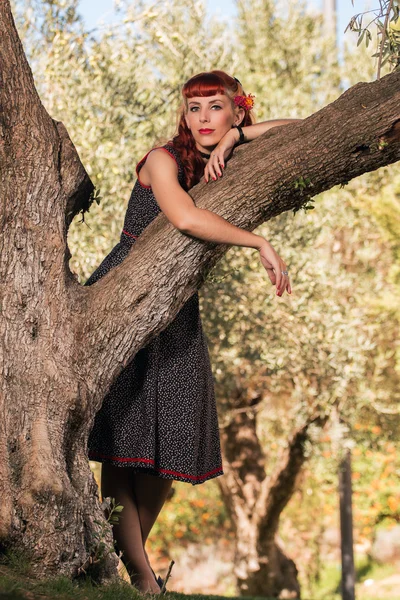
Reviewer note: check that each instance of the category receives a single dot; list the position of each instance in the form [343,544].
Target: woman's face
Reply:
[209,118]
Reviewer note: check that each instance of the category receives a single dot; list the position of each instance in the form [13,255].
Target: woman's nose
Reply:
[204,118]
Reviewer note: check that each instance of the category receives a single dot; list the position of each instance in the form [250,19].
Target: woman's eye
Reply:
[194,108]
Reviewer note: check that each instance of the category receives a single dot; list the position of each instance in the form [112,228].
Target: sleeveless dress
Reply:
[160,415]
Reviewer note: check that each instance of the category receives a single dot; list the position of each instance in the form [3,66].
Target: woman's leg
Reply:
[150,494]
[117,482]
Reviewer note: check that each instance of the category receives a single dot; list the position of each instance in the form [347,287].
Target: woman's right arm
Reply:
[204,224]
[180,210]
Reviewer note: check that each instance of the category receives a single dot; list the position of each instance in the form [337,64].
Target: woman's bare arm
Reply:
[204,224]
[251,132]
[181,211]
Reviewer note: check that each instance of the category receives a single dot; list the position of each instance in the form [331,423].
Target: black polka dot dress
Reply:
[160,415]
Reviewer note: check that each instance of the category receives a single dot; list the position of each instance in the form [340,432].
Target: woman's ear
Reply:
[240,116]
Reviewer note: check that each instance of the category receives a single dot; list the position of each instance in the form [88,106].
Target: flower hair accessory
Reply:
[245,101]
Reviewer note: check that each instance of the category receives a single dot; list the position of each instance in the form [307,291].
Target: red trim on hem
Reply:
[151,461]
[130,234]
[141,163]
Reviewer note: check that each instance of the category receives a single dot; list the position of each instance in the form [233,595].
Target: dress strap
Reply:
[181,169]
[174,153]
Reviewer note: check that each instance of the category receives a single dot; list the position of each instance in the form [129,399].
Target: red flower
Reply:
[245,102]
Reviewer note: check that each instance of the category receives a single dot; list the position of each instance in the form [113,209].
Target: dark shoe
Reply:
[161,582]
[158,579]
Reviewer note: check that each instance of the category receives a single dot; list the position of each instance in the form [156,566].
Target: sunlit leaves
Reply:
[288,82]
[383,23]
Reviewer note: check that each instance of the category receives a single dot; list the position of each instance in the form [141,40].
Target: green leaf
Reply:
[360,38]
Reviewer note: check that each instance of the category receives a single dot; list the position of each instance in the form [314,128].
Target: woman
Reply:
[159,422]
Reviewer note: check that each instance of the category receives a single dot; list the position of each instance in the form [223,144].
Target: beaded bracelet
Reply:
[241,135]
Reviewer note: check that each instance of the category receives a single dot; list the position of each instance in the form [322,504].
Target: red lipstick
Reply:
[205,131]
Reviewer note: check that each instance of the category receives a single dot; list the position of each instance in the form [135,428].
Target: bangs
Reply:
[204,84]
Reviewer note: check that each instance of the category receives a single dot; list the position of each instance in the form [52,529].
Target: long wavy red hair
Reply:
[204,84]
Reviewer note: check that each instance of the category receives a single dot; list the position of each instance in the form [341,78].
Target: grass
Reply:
[16,583]
[329,586]
[15,587]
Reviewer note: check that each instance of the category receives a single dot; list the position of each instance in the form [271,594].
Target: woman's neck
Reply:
[205,155]
[205,152]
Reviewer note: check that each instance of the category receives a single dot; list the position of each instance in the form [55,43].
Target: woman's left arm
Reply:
[251,132]
[225,146]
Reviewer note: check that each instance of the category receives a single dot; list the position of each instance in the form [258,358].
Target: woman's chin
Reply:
[207,144]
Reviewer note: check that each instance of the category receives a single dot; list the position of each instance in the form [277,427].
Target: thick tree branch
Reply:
[24,126]
[76,184]
[15,75]
[277,490]
[357,133]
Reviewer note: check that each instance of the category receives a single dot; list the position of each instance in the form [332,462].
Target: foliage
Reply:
[286,82]
[311,350]
[193,513]
[100,548]
[309,529]
[302,184]
[386,19]
[377,467]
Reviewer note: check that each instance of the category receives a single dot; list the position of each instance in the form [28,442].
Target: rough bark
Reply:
[255,497]
[62,345]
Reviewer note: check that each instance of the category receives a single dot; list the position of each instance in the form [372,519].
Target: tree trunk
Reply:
[330,18]
[255,500]
[62,345]
[346,528]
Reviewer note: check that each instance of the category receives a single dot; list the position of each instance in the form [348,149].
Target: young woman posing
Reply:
[158,423]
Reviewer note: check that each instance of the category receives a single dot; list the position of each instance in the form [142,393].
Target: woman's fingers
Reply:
[215,166]
[278,273]
[284,280]
[274,267]
[271,274]
[285,285]
[268,267]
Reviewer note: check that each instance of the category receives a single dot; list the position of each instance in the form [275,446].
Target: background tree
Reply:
[278,371]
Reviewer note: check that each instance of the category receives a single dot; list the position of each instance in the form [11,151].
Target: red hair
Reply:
[204,84]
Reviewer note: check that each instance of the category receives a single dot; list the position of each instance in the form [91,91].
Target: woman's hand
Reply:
[274,266]
[216,162]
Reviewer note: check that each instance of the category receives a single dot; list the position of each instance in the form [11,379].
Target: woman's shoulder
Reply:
[161,151]
[173,152]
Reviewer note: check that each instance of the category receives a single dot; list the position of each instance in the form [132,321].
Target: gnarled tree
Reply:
[62,345]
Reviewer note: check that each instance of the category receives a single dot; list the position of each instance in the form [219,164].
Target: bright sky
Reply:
[101,10]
